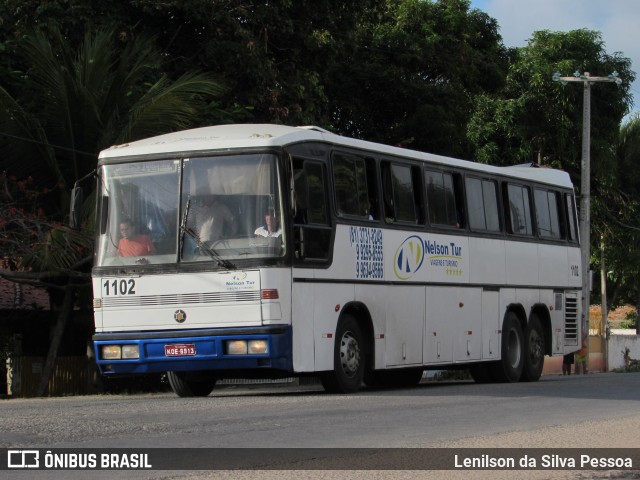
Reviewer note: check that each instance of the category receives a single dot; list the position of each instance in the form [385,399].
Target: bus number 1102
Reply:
[119,287]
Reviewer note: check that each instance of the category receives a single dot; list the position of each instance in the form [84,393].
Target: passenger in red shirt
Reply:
[131,244]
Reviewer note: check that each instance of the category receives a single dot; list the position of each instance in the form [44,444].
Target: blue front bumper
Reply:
[200,350]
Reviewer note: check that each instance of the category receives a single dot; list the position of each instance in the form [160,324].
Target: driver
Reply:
[132,244]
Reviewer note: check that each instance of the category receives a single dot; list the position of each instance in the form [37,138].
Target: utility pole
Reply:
[585,184]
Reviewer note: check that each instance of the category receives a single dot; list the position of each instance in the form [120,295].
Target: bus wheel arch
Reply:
[353,350]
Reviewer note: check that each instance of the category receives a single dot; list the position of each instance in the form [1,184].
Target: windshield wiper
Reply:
[183,226]
[201,245]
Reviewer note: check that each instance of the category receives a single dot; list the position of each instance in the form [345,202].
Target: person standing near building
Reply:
[581,357]
[567,361]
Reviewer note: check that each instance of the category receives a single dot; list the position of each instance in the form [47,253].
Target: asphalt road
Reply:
[592,411]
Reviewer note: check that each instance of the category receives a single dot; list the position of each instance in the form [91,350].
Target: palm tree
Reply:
[74,102]
[68,105]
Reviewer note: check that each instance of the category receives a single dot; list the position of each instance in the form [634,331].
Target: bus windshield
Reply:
[218,209]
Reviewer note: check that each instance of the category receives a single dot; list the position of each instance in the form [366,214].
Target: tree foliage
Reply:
[412,73]
[536,120]
[65,105]
[77,76]
[618,224]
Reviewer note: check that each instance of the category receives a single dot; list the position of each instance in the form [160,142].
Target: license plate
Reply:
[180,350]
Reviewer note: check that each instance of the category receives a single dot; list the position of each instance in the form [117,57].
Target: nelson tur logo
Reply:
[445,258]
[408,258]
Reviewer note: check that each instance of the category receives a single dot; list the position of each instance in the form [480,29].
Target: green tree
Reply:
[69,104]
[412,73]
[275,57]
[535,120]
[73,103]
[618,226]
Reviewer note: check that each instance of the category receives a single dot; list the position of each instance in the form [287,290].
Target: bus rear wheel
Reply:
[534,349]
[185,384]
[348,359]
[509,368]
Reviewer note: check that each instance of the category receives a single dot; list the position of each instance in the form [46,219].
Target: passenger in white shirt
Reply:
[271,227]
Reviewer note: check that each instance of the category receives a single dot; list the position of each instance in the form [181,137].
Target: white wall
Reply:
[618,341]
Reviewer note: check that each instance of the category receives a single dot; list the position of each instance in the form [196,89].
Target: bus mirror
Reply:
[77,196]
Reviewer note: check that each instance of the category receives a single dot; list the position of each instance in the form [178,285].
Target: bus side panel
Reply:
[452,332]
[491,325]
[374,297]
[405,324]
[527,298]
[438,333]
[467,332]
[521,263]
[329,298]
[550,257]
[487,261]
[302,308]
[575,279]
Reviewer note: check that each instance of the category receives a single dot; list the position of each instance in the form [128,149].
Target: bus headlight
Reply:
[246,347]
[257,347]
[111,352]
[118,352]
[130,351]
[237,347]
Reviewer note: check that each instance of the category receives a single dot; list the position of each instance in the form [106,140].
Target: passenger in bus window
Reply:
[213,220]
[271,227]
[132,244]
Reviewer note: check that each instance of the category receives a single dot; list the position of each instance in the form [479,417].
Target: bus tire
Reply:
[534,349]
[348,359]
[509,368]
[183,386]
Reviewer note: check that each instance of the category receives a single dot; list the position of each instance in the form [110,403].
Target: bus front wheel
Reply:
[509,368]
[185,384]
[348,359]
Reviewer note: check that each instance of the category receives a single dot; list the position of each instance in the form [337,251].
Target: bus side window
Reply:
[355,186]
[402,193]
[547,213]
[572,224]
[444,202]
[482,204]
[519,213]
[312,228]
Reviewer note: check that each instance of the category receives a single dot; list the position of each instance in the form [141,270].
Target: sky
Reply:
[617,20]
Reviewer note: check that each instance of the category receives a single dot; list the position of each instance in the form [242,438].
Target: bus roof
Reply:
[229,137]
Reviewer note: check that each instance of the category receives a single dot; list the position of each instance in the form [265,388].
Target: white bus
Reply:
[381,262]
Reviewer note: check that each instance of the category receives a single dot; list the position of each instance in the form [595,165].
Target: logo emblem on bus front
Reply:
[180,316]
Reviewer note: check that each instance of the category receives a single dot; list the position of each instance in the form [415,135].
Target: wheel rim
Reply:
[349,354]
[513,349]
[535,347]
